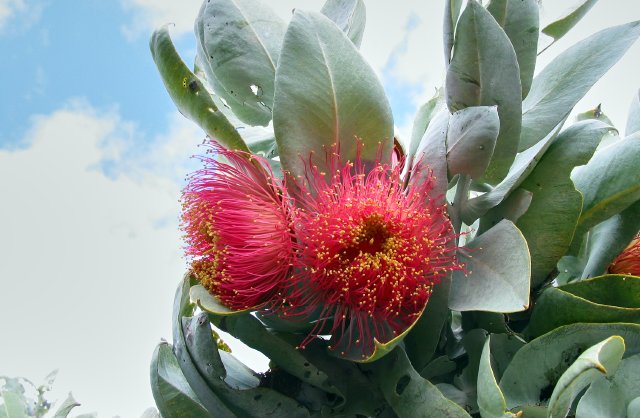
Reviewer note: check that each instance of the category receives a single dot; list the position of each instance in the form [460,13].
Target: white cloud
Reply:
[8,8]
[90,262]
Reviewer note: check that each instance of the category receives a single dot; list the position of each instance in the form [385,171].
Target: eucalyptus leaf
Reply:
[503,348]
[605,299]
[536,368]
[561,84]
[522,166]
[520,21]
[613,396]
[189,94]
[633,120]
[471,140]
[184,308]
[490,398]
[551,219]
[633,411]
[200,296]
[171,391]
[493,282]
[512,208]
[424,117]
[349,15]
[564,24]
[407,392]
[610,182]
[65,408]
[602,358]
[451,13]
[327,94]
[484,72]
[239,42]
[361,395]
[250,400]
[421,343]
[432,153]
[251,332]
[12,406]
[610,238]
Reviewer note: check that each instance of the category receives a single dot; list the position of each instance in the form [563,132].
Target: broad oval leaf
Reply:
[493,282]
[189,94]
[537,367]
[451,13]
[65,408]
[424,116]
[421,343]
[349,15]
[326,94]
[171,391]
[604,299]
[600,359]
[490,398]
[407,392]
[562,83]
[512,208]
[230,380]
[520,21]
[432,153]
[610,238]
[633,409]
[551,219]
[613,396]
[13,405]
[209,303]
[633,120]
[471,139]
[610,182]
[522,166]
[564,24]
[484,72]
[239,42]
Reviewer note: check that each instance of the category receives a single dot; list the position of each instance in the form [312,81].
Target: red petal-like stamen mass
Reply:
[238,226]
[628,262]
[370,252]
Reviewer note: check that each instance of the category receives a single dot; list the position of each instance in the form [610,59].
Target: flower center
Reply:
[370,237]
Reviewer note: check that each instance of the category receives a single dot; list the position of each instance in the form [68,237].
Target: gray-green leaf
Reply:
[239,42]
[189,94]
[493,282]
[562,83]
[537,366]
[633,120]
[602,358]
[560,27]
[349,15]
[326,95]
[171,391]
[471,139]
[610,182]
[490,398]
[520,21]
[484,72]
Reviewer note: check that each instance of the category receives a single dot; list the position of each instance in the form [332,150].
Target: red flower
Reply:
[238,226]
[628,262]
[370,252]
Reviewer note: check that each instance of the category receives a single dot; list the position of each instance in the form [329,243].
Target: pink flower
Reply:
[238,227]
[370,251]
[628,262]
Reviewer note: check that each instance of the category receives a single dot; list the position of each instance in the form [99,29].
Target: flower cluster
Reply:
[354,251]
[628,262]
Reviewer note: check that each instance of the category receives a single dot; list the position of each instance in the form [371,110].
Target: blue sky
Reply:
[92,157]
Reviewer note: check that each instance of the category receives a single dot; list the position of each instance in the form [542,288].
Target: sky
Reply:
[93,155]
